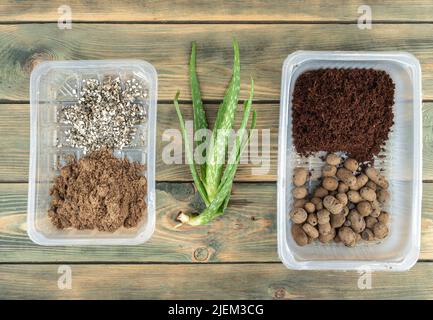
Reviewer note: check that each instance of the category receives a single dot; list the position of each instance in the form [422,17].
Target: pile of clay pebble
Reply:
[346,207]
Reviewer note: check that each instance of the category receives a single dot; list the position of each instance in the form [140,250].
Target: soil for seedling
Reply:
[99,191]
[346,110]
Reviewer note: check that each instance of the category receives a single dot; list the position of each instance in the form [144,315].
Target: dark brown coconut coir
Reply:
[100,192]
[347,110]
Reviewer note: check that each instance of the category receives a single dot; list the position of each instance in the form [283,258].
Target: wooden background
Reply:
[236,256]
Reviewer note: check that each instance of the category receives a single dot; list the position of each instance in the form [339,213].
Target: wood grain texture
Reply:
[263,49]
[427,125]
[14,143]
[225,281]
[193,262]
[246,233]
[216,10]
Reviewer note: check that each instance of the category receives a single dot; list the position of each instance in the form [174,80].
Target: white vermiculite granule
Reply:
[105,114]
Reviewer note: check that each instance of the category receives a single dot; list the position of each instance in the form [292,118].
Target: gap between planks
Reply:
[156,263]
[245,22]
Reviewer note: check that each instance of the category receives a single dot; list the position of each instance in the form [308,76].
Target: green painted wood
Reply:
[246,233]
[263,48]
[216,10]
[427,127]
[222,281]
[14,143]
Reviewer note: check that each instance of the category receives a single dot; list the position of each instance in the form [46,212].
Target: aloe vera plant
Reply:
[214,179]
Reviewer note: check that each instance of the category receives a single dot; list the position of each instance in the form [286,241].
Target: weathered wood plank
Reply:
[246,233]
[14,142]
[263,50]
[14,145]
[267,124]
[427,152]
[216,10]
[223,281]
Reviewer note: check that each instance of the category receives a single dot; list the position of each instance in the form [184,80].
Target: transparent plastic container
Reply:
[52,86]
[402,167]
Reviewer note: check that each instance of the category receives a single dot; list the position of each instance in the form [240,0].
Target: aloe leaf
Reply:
[239,137]
[200,121]
[220,202]
[188,152]
[222,197]
[215,184]
[212,211]
[223,125]
[235,167]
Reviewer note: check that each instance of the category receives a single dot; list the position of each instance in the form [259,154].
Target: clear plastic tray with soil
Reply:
[400,162]
[54,86]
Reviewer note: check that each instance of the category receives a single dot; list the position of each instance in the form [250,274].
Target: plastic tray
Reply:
[402,165]
[51,86]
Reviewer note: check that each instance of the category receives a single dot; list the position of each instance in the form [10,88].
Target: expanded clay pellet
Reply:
[105,114]
[337,210]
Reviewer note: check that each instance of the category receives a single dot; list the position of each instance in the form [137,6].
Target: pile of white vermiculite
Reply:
[105,115]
